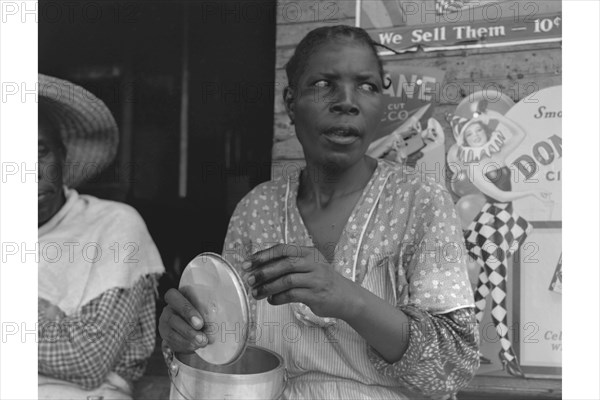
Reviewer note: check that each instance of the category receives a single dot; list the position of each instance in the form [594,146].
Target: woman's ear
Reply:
[288,100]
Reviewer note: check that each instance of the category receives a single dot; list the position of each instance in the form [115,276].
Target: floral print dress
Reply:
[402,242]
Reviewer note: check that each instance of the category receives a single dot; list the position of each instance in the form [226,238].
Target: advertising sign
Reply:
[407,132]
[508,180]
[545,28]
[457,24]
[537,162]
[539,321]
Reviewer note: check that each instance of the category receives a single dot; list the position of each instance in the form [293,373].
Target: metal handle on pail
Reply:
[172,374]
[173,370]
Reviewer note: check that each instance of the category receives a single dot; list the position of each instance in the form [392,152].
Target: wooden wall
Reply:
[516,70]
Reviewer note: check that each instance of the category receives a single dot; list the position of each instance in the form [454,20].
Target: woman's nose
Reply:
[344,102]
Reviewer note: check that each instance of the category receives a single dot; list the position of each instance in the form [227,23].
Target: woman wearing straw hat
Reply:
[98,265]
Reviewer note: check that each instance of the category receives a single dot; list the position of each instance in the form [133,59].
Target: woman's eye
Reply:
[321,84]
[42,151]
[369,87]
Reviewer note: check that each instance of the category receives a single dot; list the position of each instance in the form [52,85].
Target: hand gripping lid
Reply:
[216,290]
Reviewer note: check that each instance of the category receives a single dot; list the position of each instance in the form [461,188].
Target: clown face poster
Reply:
[506,161]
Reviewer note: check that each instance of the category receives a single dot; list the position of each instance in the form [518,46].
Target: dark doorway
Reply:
[163,68]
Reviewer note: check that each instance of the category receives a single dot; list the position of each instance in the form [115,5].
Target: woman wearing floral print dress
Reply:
[362,259]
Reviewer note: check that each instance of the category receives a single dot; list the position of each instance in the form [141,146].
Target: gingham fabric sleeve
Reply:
[141,341]
[442,354]
[113,332]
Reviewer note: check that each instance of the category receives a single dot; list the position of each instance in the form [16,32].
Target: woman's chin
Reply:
[341,161]
[43,216]
[48,206]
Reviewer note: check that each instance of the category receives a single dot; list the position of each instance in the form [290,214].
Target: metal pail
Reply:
[258,374]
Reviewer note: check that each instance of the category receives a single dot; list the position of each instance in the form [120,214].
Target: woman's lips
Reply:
[342,135]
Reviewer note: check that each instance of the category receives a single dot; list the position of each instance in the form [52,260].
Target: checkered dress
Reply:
[493,236]
[496,231]
[114,332]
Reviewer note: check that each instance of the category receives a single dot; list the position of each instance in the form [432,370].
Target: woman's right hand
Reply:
[180,324]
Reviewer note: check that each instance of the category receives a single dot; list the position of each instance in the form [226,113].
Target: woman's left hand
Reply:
[290,274]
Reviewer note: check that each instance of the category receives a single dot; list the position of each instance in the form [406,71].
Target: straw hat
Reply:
[87,128]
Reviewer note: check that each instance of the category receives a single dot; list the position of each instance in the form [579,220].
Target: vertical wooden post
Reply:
[184,112]
[126,168]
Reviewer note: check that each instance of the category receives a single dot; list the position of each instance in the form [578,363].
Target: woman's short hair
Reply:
[317,37]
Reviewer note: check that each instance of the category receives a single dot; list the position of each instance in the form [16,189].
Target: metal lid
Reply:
[216,290]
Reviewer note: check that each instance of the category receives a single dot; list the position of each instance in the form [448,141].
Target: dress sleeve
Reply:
[442,354]
[83,348]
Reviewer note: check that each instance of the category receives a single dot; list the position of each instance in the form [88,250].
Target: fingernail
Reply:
[251,280]
[246,264]
[196,322]
[254,293]
[201,340]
